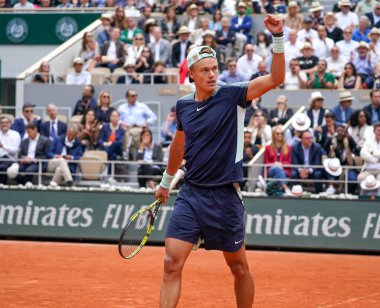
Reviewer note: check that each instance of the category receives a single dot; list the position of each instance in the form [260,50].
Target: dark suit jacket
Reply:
[42,149]
[338,114]
[59,143]
[165,29]
[231,37]
[19,126]
[321,116]
[81,106]
[105,133]
[245,26]
[368,108]
[322,137]
[372,20]
[45,129]
[176,52]
[315,155]
[120,51]
[336,35]
[156,156]
[274,113]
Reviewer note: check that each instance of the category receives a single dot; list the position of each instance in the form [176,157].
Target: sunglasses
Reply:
[106,96]
[133,95]
[29,110]
[279,134]
[138,38]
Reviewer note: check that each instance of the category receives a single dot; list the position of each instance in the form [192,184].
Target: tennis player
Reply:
[209,136]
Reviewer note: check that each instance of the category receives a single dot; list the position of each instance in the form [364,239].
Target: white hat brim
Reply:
[331,172]
[362,185]
[304,127]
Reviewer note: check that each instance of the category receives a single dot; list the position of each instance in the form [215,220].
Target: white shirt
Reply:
[248,67]
[11,141]
[335,67]
[346,48]
[111,52]
[315,113]
[322,48]
[374,166]
[148,154]
[192,24]
[32,147]
[346,20]
[27,5]
[291,81]
[81,78]
[360,135]
[292,51]
[137,114]
[157,51]
[302,35]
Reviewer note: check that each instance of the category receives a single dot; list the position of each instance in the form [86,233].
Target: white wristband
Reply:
[166,180]
[278,44]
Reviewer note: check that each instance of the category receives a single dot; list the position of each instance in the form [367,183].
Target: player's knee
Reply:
[239,269]
[172,266]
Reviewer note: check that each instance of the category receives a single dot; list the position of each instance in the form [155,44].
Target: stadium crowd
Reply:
[323,50]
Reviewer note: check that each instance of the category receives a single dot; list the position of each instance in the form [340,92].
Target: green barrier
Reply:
[42,29]
[290,223]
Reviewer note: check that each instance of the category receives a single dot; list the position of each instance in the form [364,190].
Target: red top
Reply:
[270,157]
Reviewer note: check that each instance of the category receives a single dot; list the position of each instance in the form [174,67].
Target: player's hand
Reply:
[273,24]
[162,193]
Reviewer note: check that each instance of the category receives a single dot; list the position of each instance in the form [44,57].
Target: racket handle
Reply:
[179,174]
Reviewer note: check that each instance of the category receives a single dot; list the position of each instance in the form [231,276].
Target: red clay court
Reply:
[41,274]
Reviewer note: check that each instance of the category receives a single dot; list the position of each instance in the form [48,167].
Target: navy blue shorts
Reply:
[216,214]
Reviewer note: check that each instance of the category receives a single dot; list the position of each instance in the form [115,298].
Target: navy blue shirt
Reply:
[214,131]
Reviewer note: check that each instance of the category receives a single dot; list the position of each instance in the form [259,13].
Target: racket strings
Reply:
[134,234]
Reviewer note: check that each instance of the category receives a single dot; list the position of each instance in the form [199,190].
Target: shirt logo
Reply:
[198,109]
[237,242]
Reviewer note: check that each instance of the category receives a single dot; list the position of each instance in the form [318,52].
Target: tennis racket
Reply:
[140,225]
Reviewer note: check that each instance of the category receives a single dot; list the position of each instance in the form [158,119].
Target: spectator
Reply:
[335,63]
[282,113]
[295,79]
[119,19]
[263,45]
[248,63]
[160,48]
[376,76]
[103,109]
[89,52]
[359,128]
[4,4]
[130,32]
[27,117]
[307,34]
[134,51]
[111,137]
[9,144]
[86,102]
[252,150]
[159,77]
[145,62]
[131,76]
[374,16]
[225,38]
[322,45]
[53,128]
[170,25]
[148,153]
[277,154]
[242,25]
[347,46]
[308,61]
[176,4]
[292,47]
[33,147]
[146,14]
[316,10]
[112,53]
[231,75]
[370,186]
[346,18]
[364,64]
[89,130]
[374,108]
[252,108]
[349,79]
[343,111]
[262,70]
[209,40]
[43,75]
[333,172]
[342,146]
[179,48]
[370,153]
[300,123]
[293,19]
[307,154]
[65,4]
[374,44]
[261,131]
[197,35]
[148,30]
[169,127]
[321,79]
[361,33]
[333,32]
[364,7]
[192,21]
[316,112]
[79,76]
[327,130]
[84,4]
[216,21]
[23,4]
[104,34]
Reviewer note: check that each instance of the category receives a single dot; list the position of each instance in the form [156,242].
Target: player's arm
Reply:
[263,84]
[176,153]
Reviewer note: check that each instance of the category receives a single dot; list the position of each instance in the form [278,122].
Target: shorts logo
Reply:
[65,28]
[17,30]
[237,242]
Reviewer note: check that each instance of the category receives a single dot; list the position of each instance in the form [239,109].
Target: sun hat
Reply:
[78,60]
[345,96]
[333,166]
[369,183]
[193,7]
[198,53]
[209,32]
[374,30]
[315,7]
[293,4]
[106,16]
[306,45]
[241,4]
[12,171]
[315,95]
[297,190]
[344,3]
[362,44]
[329,14]
[129,63]
[301,122]
[183,30]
